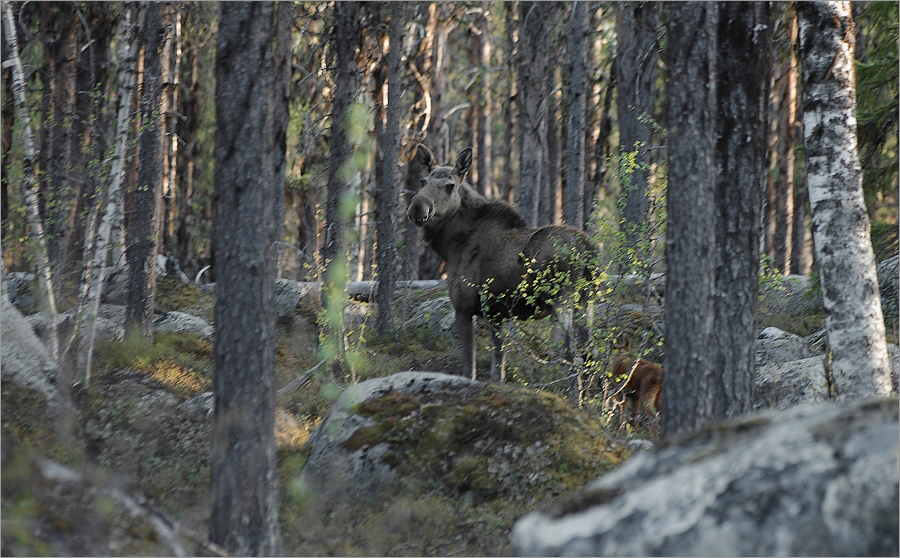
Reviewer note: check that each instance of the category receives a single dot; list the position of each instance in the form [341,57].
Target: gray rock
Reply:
[791,295]
[331,464]
[775,346]
[814,480]
[436,314]
[199,407]
[110,322]
[288,294]
[179,322]
[25,359]
[784,384]
[19,289]
[888,272]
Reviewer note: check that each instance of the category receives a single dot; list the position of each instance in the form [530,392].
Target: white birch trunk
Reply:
[126,84]
[30,185]
[840,224]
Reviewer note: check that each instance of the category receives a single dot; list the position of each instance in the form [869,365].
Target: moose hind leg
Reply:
[498,357]
[466,334]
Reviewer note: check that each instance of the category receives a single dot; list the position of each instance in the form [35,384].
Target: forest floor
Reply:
[142,428]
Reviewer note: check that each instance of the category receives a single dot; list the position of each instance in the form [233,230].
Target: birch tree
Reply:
[841,229]
[30,179]
[97,268]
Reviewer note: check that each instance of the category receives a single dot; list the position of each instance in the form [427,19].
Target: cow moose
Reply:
[499,267]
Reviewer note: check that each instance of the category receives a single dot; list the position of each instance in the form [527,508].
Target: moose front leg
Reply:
[498,357]
[467,337]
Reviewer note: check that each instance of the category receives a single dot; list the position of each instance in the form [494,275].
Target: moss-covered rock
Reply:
[467,446]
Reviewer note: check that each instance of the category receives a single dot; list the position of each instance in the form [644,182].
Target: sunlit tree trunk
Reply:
[30,178]
[841,231]
[253,79]
[148,215]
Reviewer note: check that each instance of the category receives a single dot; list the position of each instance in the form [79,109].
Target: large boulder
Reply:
[481,441]
[814,480]
[180,322]
[437,315]
[25,359]
[774,346]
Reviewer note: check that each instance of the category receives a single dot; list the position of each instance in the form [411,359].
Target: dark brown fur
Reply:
[486,244]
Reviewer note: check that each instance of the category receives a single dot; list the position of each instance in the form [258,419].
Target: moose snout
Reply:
[420,210]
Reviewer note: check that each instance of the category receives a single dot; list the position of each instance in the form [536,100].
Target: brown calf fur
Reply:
[644,384]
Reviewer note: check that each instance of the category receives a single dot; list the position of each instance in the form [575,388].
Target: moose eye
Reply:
[422,182]
[449,187]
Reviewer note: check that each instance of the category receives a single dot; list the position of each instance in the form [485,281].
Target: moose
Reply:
[642,386]
[498,267]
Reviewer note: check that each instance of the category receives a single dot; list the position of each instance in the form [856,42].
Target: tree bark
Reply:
[59,188]
[841,229]
[387,193]
[573,212]
[97,268]
[742,78]
[532,101]
[690,238]
[252,79]
[636,57]
[30,180]
[148,201]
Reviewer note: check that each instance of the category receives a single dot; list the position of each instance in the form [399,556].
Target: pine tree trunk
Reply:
[148,215]
[841,230]
[387,193]
[690,237]
[573,212]
[636,28]
[30,180]
[252,79]
[744,61]
[532,69]
[97,269]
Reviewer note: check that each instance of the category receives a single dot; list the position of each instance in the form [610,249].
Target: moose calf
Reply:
[644,384]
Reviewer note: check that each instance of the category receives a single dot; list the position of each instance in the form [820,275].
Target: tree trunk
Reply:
[252,79]
[30,179]
[334,248]
[97,269]
[148,202]
[188,126]
[636,58]
[59,188]
[573,212]
[387,193]
[841,230]
[743,68]
[690,238]
[532,70]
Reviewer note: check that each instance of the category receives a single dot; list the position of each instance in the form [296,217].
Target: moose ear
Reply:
[463,162]
[426,156]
